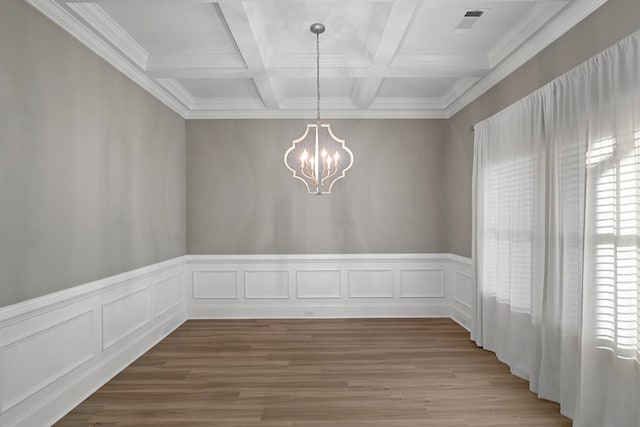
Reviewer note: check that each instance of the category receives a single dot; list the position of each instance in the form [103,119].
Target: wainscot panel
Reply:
[358,285]
[460,283]
[318,283]
[58,349]
[215,284]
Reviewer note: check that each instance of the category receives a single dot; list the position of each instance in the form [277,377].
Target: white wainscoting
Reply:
[56,350]
[461,288]
[362,285]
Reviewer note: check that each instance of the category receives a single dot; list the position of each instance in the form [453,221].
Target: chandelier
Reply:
[318,158]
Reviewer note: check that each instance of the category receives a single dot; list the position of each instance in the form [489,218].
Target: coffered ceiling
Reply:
[256,58]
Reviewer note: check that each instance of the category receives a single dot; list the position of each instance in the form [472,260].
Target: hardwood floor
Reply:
[347,372]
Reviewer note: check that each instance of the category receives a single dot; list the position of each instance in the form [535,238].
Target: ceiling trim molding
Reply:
[365,91]
[178,91]
[533,21]
[310,115]
[327,103]
[195,61]
[386,47]
[566,20]
[111,31]
[198,73]
[93,27]
[425,103]
[460,87]
[326,60]
[235,18]
[477,61]
[63,18]
[218,104]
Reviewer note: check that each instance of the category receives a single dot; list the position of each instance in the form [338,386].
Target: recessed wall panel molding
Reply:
[51,347]
[26,369]
[422,283]
[266,284]
[318,283]
[169,292]
[460,289]
[124,315]
[215,284]
[302,286]
[370,283]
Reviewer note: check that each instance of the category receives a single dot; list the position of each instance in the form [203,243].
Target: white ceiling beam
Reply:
[195,61]
[465,61]
[297,113]
[310,73]
[234,14]
[199,73]
[397,24]
[365,91]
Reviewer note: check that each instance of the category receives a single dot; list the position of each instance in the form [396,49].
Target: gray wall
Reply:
[92,168]
[607,25]
[242,200]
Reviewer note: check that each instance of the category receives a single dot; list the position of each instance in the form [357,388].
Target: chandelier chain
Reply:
[318,73]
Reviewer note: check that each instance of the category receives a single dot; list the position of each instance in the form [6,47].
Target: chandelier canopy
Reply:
[318,158]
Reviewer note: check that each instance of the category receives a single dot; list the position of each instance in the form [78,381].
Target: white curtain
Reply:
[556,234]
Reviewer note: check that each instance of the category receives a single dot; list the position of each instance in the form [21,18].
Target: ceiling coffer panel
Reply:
[256,58]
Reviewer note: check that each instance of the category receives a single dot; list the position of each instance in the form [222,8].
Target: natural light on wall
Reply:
[616,161]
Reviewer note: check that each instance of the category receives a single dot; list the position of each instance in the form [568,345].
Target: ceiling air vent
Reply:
[473,14]
[470,19]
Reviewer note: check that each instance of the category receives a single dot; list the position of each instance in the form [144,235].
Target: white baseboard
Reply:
[58,349]
[265,311]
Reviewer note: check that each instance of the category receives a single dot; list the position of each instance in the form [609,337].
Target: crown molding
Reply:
[405,103]
[457,90]
[178,91]
[217,104]
[196,61]
[111,31]
[63,18]
[311,114]
[476,61]
[566,20]
[532,22]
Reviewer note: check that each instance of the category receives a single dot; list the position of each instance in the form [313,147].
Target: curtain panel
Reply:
[556,220]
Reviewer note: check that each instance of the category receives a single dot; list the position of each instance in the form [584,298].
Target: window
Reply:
[510,187]
[616,164]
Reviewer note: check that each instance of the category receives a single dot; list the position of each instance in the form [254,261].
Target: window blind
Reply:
[616,161]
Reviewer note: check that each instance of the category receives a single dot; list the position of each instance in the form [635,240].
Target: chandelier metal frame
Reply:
[317,167]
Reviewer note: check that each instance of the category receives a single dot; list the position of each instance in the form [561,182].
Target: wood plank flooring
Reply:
[346,372]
